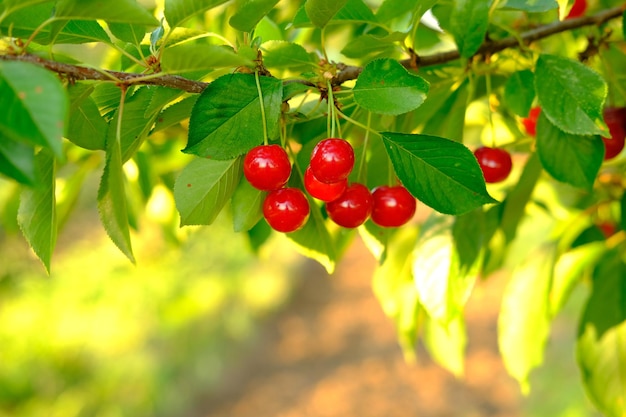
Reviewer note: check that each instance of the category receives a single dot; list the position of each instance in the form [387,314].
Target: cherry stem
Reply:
[258,88]
[493,128]
[359,124]
[366,140]
[120,114]
[331,110]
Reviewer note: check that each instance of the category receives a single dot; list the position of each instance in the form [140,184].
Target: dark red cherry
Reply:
[267,167]
[495,163]
[530,122]
[578,9]
[321,190]
[332,160]
[286,210]
[393,206]
[353,208]
[615,119]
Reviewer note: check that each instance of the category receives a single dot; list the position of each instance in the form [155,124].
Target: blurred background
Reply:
[206,325]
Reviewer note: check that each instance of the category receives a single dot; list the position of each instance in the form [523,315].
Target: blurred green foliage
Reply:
[101,337]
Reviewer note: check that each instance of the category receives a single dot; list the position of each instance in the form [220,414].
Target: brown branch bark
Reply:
[346,72]
[80,73]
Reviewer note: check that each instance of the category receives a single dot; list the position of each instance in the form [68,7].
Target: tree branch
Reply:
[350,72]
[346,72]
[80,73]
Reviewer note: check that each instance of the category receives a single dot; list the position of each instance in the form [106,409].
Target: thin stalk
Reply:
[361,172]
[490,113]
[359,124]
[258,89]
[331,110]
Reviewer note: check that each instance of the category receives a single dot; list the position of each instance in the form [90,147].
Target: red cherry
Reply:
[578,9]
[321,190]
[286,210]
[267,167]
[495,163]
[353,208]
[608,229]
[393,206]
[332,160]
[615,119]
[530,122]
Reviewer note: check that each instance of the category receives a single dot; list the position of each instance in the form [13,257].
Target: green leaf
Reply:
[622,220]
[20,4]
[315,241]
[446,344]
[175,113]
[86,127]
[17,161]
[112,199]
[531,6]
[281,54]
[247,206]
[188,57]
[468,23]
[390,9]
[123,11]
[441,173]
[514,206]
[354,11]
[443,278]
[386,87]
[569,270]
[37,213]
[364,45]
[573,159]
[35,105]
[519,92]
[126,32]
[602,338]
[204,187]
[177,11]
[321,11]
[393,286]
[226,120]
[571,95]
[24,22]
[135,124]
[448,120]
[524,322]
[250,13]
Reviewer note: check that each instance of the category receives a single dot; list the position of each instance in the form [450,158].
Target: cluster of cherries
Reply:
[286,209]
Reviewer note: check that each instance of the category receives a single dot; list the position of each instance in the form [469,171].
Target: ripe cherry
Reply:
[608,229]
[286,210]
[530,122]
[393,206]
[321,190]
[267,167]
[353,208]
[615,119]
[495,163]
[332,160]
[578,9]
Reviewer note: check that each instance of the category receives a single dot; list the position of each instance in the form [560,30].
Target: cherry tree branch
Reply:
[346,72]
[349,72]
